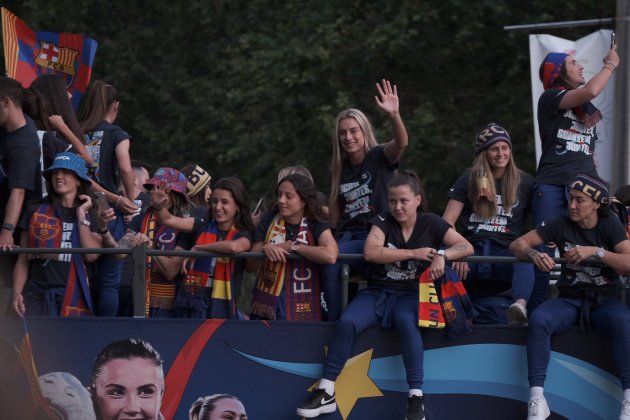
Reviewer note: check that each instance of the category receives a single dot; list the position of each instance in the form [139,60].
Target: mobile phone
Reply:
[613,40]
[100,201]
[258,207]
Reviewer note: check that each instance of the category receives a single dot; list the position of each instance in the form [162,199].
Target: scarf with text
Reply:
[215,273]
[46,231]
[298,278]
[444,304]
[160,292]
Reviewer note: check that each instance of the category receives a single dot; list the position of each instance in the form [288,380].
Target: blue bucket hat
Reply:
[71,162]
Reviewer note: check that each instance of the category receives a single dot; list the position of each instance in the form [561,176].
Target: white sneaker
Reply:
[537,409]
[625,410]
[517,314]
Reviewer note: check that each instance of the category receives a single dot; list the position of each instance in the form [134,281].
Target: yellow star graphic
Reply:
[353,383]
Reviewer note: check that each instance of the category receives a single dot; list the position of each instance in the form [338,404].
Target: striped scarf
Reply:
[297,278]
[213,272]
[160,292]
[46,231]
[445,306]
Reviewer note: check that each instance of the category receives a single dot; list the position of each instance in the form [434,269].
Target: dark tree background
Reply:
[246,87]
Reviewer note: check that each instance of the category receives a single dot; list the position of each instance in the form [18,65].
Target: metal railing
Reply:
[140,254]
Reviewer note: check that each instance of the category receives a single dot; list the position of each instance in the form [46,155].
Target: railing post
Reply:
[139,254]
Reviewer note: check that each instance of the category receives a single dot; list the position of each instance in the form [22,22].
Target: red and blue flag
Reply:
[29,54]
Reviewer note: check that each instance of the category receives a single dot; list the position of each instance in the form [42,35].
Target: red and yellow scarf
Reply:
[215,273]
[297,278]
[160,292]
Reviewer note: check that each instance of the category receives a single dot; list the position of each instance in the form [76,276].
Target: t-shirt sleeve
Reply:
[319,228]
[614,231]
[118,134]
[263,226]
[23,164]
[549,102]
[379,151]
[382,221]
[459,190]
[552,230]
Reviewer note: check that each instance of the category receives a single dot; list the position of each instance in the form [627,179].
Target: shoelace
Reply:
[535,406]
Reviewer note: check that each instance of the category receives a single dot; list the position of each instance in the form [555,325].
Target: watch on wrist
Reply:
[84,222]
[442,253]
[599,254]
[8,226]
[295,247]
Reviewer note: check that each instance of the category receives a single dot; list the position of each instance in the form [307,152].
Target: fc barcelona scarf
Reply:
[215,273]
[298,278]
[445,304]
[160,292]
[46,231]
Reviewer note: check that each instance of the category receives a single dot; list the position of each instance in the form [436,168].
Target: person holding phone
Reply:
[360,170]
[567,125]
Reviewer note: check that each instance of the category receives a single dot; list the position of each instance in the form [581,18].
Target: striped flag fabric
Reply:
[29,54]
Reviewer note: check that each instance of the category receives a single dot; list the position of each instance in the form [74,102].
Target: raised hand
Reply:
[388,100]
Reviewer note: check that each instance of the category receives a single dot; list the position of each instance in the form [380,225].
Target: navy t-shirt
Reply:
[428,231]
[20,163]
[503,228]
[567,144]
[101,145]
[363,190]
[566,234]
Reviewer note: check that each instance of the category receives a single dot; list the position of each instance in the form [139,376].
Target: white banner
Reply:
[589,52]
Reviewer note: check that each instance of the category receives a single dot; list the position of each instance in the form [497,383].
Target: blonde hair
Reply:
[296,169]
[509,189]
[338,154]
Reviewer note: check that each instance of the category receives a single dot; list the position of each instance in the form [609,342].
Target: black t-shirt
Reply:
[566,234]
[503,228]
[567,144]
[315,226]
[363,189]
[136,223]
[428,231]
[52,271]
[101,145]
[20,163]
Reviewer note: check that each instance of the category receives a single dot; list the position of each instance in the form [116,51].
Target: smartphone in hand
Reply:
[258,207]
[100,202]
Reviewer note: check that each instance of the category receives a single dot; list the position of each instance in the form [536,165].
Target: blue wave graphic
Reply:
[574,389]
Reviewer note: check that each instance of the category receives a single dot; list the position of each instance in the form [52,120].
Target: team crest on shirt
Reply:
[45,228]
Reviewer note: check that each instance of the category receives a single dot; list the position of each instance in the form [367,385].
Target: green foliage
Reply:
[246,87]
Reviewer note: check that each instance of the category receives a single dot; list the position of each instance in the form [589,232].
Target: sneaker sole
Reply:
[516,317]
[329,408]
[406,418]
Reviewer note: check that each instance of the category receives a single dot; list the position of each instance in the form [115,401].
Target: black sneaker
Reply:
[415,408]
[318,403]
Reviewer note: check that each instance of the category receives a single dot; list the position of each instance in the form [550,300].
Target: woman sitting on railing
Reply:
[210,286]
[289,289]
[490,202]
[57,284]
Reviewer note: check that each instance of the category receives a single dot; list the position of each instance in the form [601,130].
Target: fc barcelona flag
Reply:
[28,54]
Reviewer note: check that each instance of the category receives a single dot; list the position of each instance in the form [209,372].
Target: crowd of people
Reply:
[69,181]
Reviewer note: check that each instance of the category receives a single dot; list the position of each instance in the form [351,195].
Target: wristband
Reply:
[84,222]
[8,226]
[442,253]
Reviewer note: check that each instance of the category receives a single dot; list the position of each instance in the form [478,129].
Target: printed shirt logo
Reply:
[401,270]
[584,274]
[576,139]
[357,194]
[59,59]
[497,223]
